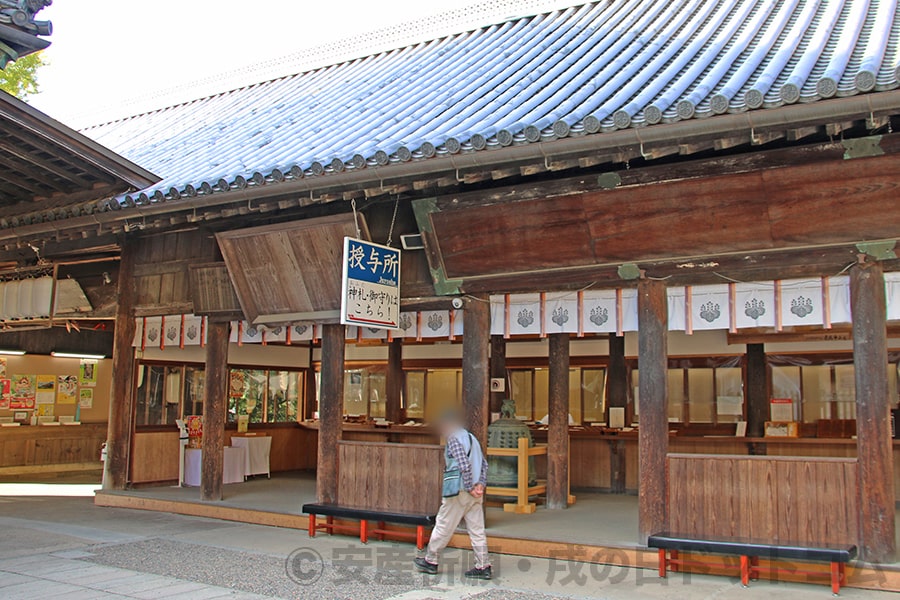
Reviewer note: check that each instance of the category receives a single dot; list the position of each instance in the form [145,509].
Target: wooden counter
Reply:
[400,434]
[40,448]
[609,463]
[154,457]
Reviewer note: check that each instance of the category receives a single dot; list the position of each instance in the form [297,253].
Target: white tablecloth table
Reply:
[233,471]
[258,449]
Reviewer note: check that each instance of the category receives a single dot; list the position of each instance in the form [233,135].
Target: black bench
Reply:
[364,515]
[751,551]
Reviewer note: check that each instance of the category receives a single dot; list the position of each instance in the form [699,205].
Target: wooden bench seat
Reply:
[750,551]
[364,516]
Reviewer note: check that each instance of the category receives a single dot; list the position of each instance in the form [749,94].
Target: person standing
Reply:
[465,480]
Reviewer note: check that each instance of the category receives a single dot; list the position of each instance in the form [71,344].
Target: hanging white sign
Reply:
[370,293]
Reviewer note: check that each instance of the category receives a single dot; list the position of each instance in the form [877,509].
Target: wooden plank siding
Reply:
[39,446]
[391,477]
[807,501]
[162,268]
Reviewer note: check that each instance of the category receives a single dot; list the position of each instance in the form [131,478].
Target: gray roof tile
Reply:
[582,70]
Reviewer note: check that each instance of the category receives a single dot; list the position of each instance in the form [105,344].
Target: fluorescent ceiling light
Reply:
[12,352]
[77,355]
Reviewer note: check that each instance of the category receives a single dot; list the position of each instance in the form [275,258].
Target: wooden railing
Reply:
[776,498]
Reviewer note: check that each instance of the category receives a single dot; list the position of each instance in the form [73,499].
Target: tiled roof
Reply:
[587,69]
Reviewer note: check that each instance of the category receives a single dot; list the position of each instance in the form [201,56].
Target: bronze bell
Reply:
[505,433]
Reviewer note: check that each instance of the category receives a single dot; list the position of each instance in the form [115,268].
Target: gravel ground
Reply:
[256,573]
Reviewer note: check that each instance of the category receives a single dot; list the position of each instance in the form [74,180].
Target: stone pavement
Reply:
[66,548]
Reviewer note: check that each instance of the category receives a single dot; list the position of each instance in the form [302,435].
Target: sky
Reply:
[106,53]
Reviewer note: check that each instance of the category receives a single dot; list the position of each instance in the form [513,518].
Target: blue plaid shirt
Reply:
[457,450]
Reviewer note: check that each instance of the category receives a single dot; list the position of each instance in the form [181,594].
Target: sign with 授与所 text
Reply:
[371,285]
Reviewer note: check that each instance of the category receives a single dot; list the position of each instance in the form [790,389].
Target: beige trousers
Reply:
[453,510]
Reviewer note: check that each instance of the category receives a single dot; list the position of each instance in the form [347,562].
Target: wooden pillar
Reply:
[653,436]
[873,429]
[498,370]
[475,365]
[394,382]
[215,405]
[331,411]
[121,393]
[757,390]
[558,433]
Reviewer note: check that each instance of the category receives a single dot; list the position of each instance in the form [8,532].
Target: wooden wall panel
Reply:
[162,268]
[772,498]
[154,457]
[389,476]
[37,446]
[590,463]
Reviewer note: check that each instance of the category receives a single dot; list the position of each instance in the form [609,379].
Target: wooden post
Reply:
[121,393]
[616,396]
[475,365]
[215,405]
[653,436]
[558,433]
[873,429]
[394,382]
[498,370]
[757,390]
[331,412]
[616,374]
[309,404]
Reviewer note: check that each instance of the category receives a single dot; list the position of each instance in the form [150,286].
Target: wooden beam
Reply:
[331,412]
[498,370]
[309,404]
[475,365]
[215,407]
[393,411]
[653,433]
[757,390]
[734,217]
[121,393]
[558,433]
[873,429]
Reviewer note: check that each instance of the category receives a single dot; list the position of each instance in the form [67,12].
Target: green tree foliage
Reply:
[19,78]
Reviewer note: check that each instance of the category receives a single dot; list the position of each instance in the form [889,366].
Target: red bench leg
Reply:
[381,528]
[745,571]
[312,525]
[420,537]
[754,570]
[836,577]
[364,531]
[673,554]
[662,563]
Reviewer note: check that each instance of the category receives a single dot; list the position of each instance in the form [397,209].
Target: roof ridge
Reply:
[340,51]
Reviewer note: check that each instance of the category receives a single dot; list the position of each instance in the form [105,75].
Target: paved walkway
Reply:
[53,546]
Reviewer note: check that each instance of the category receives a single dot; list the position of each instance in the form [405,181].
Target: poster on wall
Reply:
[4,394]
[2,367]
[88,373]
[45,410]
[46,389]
[66,389]
[86,398]
[23,391]
[237,384]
